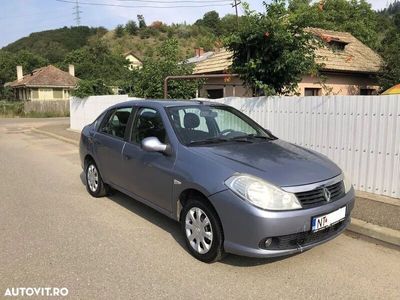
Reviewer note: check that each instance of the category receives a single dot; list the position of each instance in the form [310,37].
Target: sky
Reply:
[19,18]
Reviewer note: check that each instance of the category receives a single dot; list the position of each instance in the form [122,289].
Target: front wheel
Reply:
[94,183]
[202,231]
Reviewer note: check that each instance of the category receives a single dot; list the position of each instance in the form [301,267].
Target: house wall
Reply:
[338,84]
[48,94]
[134,63]
[334,84]
[232,88]
[359,133]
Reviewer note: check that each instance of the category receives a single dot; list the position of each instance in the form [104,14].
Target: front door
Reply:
[109,142]
[148,174]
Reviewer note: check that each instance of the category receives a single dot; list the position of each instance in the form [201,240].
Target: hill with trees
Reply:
[54,45]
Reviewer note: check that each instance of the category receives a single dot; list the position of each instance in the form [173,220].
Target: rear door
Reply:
[109,142]
[148,175]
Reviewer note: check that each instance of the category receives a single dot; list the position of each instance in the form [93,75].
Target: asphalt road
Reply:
[53,234]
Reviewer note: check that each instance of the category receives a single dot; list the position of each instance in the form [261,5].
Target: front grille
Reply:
[316,197]
[293,241]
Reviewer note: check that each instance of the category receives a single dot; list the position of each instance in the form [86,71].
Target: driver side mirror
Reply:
[153,144]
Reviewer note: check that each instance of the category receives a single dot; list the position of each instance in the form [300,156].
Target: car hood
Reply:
[278,162]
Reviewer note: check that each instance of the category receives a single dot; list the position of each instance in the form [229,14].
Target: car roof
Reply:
[164,103]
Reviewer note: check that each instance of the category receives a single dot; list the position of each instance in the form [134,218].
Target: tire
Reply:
[94,183]
[204,239]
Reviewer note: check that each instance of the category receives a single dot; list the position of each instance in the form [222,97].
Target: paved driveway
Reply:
[53,234]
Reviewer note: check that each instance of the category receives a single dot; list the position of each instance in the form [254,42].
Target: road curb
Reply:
[384,234]
[56,136]
[378,198]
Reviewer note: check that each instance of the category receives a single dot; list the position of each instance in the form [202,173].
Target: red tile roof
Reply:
[49,76]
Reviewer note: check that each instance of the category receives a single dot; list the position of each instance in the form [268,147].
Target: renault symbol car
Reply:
[233,186]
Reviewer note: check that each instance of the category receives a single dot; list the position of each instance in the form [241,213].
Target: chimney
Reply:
[199,51]
[20,74]
[71,70]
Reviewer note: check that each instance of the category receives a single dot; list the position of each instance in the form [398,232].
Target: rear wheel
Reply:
[94,183]
[202,231]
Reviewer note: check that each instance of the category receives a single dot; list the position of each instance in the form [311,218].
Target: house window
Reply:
[35,93]
[366,92]
[57,93]
[66,94]
[215,93]
[337,45]
[312,92]
[45,94]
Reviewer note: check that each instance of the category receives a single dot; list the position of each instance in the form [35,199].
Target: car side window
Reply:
[117,122]
[148,124]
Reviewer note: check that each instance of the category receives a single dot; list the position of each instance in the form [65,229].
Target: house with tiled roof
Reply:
[47,83]
[348,67]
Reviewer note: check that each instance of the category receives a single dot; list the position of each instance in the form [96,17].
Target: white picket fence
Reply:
[360,133]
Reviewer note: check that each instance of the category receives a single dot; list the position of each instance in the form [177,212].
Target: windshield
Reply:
[204,124]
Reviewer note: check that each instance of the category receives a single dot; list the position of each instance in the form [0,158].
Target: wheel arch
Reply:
[87,159]
[191,193]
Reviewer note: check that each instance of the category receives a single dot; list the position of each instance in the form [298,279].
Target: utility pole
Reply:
[77,12]
[235,5]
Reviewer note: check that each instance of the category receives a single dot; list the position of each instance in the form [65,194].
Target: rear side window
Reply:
[116,122]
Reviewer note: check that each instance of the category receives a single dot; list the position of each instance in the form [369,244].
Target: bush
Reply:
[88,88]
[6,93]
[131,27]
[11,108]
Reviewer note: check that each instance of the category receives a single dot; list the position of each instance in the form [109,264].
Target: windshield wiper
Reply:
[208,141]
[250,136]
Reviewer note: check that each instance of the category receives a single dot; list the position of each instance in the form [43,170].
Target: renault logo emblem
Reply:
[327,194]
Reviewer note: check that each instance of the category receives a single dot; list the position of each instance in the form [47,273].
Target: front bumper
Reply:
[245,226]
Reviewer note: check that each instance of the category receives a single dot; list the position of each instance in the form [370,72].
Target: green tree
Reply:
[212,21]
[148,81]
[98,62]
[228,24]
[119,31]
[88,88]
[354,16]
[131,27]
[271,52]
[9,61]
[141,21]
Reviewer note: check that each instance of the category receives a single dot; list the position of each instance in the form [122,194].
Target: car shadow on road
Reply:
[173,228]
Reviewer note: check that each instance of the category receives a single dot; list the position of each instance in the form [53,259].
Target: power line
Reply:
[142,6]
[77,12]
[176,1]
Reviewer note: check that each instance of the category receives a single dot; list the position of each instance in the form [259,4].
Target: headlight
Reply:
[347,184]
[261,193]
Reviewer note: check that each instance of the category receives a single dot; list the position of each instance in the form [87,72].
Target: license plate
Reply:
[321,222]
